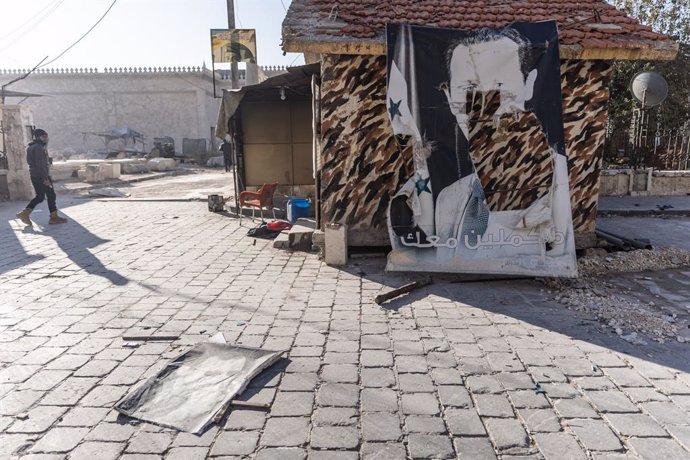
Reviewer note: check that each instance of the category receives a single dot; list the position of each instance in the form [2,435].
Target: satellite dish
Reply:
[649,89]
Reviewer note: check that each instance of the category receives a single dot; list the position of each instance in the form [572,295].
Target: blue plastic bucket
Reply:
[296,208]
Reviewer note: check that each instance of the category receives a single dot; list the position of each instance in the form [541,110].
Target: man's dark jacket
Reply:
[37,157]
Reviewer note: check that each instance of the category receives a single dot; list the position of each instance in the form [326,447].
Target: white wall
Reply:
[175,102]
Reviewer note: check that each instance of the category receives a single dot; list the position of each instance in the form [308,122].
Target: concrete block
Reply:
[281,241]
[94,174]
[134,168]
[162,164]
[110,170]
[81,174]
[299,238]
[336,244]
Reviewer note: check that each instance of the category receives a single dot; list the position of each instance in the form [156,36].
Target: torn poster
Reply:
[482,113]
[191,389]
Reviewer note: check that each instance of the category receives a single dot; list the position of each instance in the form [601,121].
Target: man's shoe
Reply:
[24,217]
[55,219]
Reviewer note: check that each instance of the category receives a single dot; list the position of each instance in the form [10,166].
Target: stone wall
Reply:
[644,182]
[15,135]
[175,102]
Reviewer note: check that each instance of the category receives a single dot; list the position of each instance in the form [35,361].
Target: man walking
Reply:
[39,169]
[226,148]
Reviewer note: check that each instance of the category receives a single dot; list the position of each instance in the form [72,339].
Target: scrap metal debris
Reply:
[196,386]
[381,298]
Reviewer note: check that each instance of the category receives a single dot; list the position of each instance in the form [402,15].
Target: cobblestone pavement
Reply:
[470,370]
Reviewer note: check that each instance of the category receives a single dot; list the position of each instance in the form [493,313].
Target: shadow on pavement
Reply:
[524,300]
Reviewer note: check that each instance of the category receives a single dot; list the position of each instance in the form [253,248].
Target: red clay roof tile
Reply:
[589,23]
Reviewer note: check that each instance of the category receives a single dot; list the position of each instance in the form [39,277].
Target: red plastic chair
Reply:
[262,198]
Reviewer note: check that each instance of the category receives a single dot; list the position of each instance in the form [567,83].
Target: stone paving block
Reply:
[595,435]
[381,427]
[641,425]
[415,383]
[104,396]
[45,380]
[606,359]
[658,448]
[681,434]
[611,401]
[381,451]
[379,400]
[515,381]
[340,373]
[332,455]
[237,443]
[646,394]
[625,377]
[446,376]
[575,408]
[547,375]
[430,446]
[338,394]
[540,420]
[16,402]
[558,446]
[377,377]
[334,437]
[532,357]
[576,367]
[454,396]
[595,383]
[667,413]
[124,375]
[474,449]
[341,358]
[438,359]
[507,434]
[424,424]
[335,416]
[290,453]
[411,364]
[301,365]
[187,453]
[528,399]
[504,362]
[376,358]
[299,382]
[493,406]
[100,451]
[672,387]
[285,432]
[60,440]
[96,368]
[474,366]
[240,419]
[191,440]
[682,400]
[293,403]
[146,442]
[38,420]
[419,404]
[483,384]
[83,416]
[464,422]
[17,373]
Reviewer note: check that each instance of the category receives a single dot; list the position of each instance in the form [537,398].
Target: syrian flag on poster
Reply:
[401,98]
[398,106]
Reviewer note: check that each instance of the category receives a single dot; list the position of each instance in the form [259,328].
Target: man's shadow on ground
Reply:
[75,241]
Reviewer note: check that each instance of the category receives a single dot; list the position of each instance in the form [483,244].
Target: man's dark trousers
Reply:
[43,191]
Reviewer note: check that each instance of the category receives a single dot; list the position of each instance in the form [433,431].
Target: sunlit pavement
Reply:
[469,370]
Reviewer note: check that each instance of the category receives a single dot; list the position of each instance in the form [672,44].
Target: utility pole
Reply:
[231,25]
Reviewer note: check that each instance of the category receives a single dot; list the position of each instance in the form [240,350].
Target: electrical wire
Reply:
[83,36]
[33,26]
[281,2]
[49,5]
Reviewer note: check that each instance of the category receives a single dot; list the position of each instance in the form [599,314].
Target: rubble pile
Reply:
[624,314]
[633,261]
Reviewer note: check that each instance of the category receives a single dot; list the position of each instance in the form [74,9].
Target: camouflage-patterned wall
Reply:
[362,165]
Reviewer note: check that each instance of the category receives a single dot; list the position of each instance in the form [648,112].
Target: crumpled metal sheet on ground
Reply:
[190,390]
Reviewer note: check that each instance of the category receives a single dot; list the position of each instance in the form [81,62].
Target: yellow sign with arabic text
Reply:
[233,45]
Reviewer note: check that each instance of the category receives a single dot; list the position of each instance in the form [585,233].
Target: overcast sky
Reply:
[135,33]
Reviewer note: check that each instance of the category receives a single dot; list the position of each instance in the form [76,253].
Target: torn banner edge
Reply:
[270,360]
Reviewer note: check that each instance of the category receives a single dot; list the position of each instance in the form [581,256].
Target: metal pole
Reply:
[231,25]
[213,73]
